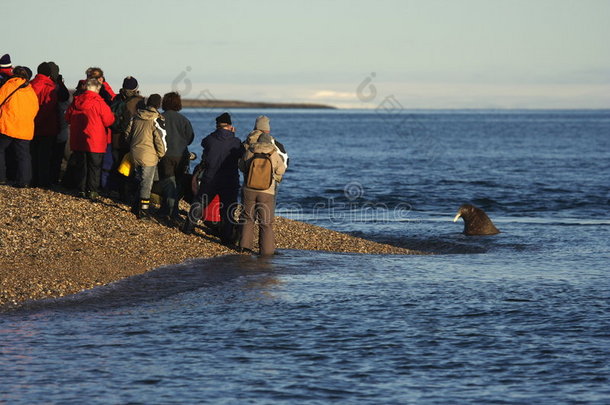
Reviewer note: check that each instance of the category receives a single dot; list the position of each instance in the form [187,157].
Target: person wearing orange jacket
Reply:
[18,108]
[89,118]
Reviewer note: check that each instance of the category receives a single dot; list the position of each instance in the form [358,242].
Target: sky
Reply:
[350,54]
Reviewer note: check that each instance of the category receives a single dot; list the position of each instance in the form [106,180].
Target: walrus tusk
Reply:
[457,217]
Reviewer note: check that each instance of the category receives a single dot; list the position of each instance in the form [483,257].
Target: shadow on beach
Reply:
[155,285]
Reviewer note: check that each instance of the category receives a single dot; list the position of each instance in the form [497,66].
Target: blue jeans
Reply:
[145,176]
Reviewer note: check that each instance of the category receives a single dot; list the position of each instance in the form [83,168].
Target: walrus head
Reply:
[476,221]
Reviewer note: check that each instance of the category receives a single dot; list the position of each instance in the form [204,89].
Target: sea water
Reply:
[519,317]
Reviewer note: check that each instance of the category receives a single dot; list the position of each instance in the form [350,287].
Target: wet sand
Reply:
[53,243]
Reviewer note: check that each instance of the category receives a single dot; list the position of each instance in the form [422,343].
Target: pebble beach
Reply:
[53,243]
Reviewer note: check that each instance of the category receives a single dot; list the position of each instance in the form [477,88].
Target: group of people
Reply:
[263,160]
[85,141]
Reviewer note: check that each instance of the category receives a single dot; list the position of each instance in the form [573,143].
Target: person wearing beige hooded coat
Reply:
[260,203]
[262,126]
[146,137]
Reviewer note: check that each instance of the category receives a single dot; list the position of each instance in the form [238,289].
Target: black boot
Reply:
[135,207]
[188,226]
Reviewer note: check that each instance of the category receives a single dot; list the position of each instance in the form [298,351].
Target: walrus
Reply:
[476,221]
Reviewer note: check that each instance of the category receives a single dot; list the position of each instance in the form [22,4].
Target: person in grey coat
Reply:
[260,204]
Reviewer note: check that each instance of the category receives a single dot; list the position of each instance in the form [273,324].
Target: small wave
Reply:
[437,245]
[483,183]
[554,221]
[485,203]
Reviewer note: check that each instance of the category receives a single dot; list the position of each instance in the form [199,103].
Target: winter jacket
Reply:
[107,93]
[89,117]
[252,138]
[221,152]
[146,137]
[47,120]
[279,167]
[179,133]
[18,113]
[124,107]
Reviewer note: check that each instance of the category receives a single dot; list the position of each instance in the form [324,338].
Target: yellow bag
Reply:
[125,166]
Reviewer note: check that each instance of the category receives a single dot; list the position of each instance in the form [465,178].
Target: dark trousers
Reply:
[88,170]
[41,149]
[11,163]
[228,203]
[108,165]
[57,157]
[171,172]
[116,181]
[259,206]
[20,149]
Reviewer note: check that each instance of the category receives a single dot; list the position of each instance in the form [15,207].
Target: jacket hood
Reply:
[128,93]
[262,147]
[15,81]
[256,133]
[86,100]
[223,133]
[148,113]
[43,79]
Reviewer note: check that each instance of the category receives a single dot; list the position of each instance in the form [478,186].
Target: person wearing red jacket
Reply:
[109,96]
[46,125]
[89,117]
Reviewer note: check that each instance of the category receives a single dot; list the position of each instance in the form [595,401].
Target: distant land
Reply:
[192,103]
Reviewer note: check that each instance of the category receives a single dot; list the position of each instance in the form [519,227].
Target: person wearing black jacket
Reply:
[221,153]
[176,160]
[63,96]
[124,106]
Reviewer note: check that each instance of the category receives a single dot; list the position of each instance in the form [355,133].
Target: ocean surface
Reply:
[517,318]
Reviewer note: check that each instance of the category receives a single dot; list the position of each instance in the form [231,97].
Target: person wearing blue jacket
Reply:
[221,153]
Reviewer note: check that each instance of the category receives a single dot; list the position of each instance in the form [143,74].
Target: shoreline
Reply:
[53,243]
[230,104]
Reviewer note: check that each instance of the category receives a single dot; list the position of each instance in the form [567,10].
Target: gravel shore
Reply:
[53,243]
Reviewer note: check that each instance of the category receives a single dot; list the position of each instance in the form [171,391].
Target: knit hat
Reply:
[5,61]
[130,83]
[54,70]
[154,100]
[22,71]
[262,123]
[224,118]
[265,138]
[44,69]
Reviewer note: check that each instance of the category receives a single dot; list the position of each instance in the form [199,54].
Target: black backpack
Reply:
[121,116]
